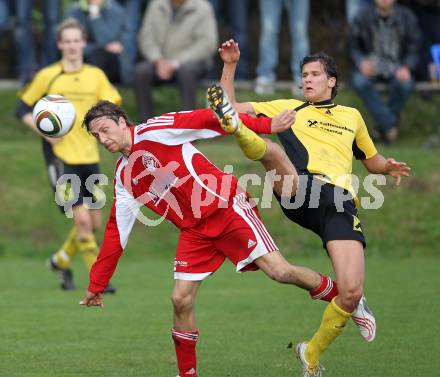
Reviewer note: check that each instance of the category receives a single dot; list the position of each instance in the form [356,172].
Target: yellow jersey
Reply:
[83,88]
[323,139]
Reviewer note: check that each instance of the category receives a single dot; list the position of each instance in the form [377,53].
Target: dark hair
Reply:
[104,109]
[329,65]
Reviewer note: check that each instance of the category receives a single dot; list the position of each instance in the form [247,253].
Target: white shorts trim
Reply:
[191,277]
[265,243]
[257,253]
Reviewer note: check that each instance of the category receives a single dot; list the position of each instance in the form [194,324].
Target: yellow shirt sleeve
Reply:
[273,108]
[35,90]
[363,146]
[106,91]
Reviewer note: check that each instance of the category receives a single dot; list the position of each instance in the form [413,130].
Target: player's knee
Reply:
[83,224]
[273,152]
[351,295]
[182,302]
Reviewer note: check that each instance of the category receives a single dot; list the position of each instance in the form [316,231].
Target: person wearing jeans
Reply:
[27,62]
[271,11]
[383,45]
[238,14]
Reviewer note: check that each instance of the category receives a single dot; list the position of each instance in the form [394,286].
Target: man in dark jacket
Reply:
[105,24]
[383,46]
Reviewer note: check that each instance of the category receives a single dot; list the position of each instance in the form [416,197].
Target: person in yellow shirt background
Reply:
[77,152]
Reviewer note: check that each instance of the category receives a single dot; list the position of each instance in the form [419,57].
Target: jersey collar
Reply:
[326,104]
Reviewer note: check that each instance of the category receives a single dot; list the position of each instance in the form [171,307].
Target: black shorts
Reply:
[327,210]
[70,182]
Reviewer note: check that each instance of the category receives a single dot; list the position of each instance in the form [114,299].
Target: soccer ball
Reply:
[54,115]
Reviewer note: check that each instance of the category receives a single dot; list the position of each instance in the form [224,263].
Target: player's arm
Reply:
[378,164]
[264,125]
[122,216]
[364,150]
[230,54]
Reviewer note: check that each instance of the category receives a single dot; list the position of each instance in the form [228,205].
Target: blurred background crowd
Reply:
[145,43]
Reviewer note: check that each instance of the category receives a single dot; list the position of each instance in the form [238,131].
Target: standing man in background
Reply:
[77,152]
[27,57]
[298,16]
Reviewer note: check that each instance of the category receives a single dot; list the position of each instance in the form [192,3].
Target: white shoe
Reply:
[264,85]
[221,105]
[300,350]
[364,320]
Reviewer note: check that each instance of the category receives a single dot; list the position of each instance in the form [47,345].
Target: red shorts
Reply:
[235,232]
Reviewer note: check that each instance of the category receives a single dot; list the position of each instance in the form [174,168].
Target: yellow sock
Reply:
[252,145]
[63,256]
[333,321]
[88,249]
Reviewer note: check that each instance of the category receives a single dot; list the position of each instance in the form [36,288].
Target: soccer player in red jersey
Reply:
[160,168]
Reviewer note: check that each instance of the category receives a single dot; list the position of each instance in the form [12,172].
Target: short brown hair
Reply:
[329,65]
[71,23]
[104,109]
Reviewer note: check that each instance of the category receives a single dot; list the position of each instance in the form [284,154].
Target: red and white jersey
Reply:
[169,175]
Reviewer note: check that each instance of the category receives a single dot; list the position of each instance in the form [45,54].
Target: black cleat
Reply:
[65,275]
[110,289]
[221,105]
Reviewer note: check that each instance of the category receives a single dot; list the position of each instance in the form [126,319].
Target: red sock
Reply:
[324,291]
[185,344]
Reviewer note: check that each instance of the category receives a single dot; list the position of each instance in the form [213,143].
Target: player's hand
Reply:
[229,52]
[397,169]
[92,299]
[283,121]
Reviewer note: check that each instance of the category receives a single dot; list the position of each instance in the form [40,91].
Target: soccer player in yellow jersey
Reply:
[77,152]
[320,146]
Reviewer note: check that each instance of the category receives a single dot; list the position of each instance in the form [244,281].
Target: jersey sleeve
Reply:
[119,225]
[107,91]
[180,127]
[363,147]
[35,90]
[273,108]
[260,125]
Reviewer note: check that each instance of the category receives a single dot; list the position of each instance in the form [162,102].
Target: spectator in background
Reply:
[384,43]
[270,16]
[105,23]
[27,62]
[5,15]
[177,41]
[353,7]
[132,11]
[428,14]
[238,13]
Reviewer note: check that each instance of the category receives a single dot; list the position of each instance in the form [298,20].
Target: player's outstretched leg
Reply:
[252,145]
[219,102]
